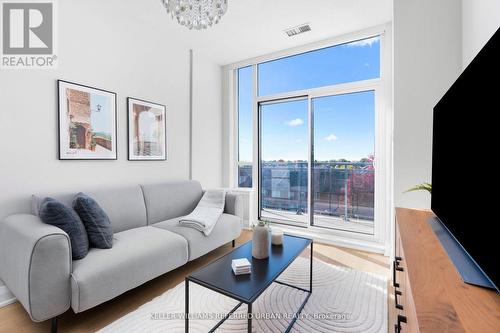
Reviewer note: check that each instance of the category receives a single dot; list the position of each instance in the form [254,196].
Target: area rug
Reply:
[343,300]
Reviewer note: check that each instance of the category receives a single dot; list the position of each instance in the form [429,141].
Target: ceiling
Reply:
[255,27]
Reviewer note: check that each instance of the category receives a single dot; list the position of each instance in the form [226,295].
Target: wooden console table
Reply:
[430,294]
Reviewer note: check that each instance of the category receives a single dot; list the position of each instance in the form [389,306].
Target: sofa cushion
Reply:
[124,205]
[227,228]
[169,200]
[59,215]
[138,255]
[95,220]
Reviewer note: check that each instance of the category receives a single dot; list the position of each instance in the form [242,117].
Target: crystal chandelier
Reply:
[196,14]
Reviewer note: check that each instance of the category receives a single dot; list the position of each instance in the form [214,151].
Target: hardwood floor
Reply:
[13,318]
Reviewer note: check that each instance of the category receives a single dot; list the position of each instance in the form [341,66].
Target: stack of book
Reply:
[241,266]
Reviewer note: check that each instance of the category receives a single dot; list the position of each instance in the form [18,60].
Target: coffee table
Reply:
[218,276]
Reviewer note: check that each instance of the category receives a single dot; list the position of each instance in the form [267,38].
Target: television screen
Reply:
[466,145]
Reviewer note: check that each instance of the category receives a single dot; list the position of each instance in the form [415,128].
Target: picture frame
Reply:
[147,130]
[87,126]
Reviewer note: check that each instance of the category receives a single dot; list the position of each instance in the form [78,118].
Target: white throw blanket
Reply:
[207,213]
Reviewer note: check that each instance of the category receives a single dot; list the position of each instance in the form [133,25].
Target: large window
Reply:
[245,126]
[316,115]
[355,61]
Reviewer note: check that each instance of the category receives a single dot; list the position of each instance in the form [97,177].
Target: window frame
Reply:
[382,86]
[237,124]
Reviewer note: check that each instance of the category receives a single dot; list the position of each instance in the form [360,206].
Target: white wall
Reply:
[427,60]
[480,20]
[126,47]
[207,122]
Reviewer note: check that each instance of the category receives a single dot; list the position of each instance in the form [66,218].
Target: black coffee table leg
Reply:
[186,314]
[249,329]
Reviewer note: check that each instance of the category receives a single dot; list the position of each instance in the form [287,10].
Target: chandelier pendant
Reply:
[196,14]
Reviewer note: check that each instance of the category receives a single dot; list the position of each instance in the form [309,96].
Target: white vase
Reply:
[260,241]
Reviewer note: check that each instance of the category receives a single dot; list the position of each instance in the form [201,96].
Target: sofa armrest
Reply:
[234,205]
[35,264]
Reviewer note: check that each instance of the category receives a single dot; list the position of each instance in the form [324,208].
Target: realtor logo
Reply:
[28,32]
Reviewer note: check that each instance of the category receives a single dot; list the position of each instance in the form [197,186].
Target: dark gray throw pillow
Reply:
[59,215]
[95,220]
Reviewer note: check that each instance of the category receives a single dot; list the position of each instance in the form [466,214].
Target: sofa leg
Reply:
[53,328]
[234,242]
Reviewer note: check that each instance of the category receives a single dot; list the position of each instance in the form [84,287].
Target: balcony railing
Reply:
[343,190]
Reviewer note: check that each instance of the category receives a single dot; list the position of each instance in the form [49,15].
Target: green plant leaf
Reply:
[421,187]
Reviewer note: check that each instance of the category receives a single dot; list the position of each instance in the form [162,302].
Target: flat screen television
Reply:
[465,169]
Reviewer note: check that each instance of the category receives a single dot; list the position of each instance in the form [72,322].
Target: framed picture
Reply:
[147,131]
[87,122]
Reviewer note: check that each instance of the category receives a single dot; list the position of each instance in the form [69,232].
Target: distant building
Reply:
[335,184]
[79,122]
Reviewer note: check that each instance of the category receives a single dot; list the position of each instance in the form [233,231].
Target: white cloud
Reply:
[331,137]
[365,42]
[295,122]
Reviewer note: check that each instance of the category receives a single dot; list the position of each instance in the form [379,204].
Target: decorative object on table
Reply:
[87,122]
[260,241]
[196,14]
[421,187]
[276,236]
[241,266]
[147,131]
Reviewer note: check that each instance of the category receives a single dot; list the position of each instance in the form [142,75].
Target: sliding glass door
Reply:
[343,170]
[323,145]
[283,162]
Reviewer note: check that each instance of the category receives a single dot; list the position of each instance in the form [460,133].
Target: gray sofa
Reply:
[35,258]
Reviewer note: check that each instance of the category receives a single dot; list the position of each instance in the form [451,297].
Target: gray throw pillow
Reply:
[59,215]
[95,220]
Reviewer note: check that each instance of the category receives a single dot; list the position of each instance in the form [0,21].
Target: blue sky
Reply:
[284,131]
[101,121]
[344,124]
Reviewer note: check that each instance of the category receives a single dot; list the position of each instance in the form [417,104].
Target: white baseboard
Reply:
[6,297]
